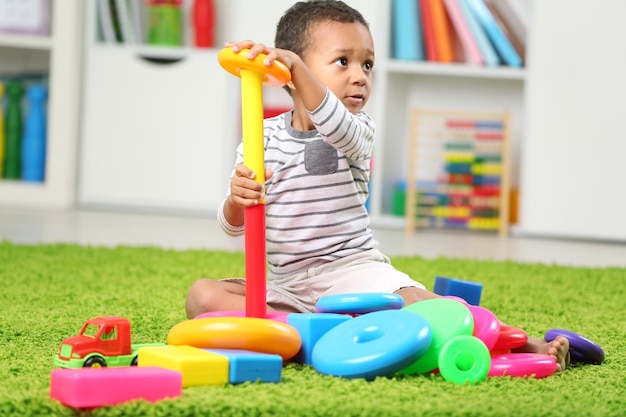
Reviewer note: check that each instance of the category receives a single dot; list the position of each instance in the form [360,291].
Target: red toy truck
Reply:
[103,341]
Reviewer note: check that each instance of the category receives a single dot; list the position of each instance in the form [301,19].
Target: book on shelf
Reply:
[407,31]
[105,23]
[487,51]
[122,9]
[466,37]
[430,44]
[512,27]
[476,32]
[515,14]
[442,31]
[489,24]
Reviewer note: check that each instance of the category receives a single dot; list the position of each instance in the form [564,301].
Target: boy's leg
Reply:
[558,349]
[414,294]
[207,295]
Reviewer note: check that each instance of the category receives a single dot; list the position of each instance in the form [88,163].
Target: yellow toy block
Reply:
[198,366]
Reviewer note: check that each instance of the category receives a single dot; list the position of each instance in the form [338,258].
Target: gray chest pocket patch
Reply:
[320,158]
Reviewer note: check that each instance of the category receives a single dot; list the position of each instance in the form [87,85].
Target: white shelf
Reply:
[400,86]
[171,145]
[453,70]
[61,59]
[25,41]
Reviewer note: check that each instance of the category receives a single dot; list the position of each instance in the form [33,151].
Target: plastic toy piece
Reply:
[372,345]
[280,316]
[197,366]
[469,291]
[248,366]
[447,319]
[311,328]
[14,128]
[34,140]
[1,130]
[254,73]
[97,387]
[486,326]
[165,19]
[204,23]
[581,349]
[102,341]
[247,333]
[510,338]
[464,359]
[522,365]
[360,303]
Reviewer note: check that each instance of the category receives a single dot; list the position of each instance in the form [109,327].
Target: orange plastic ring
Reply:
[275,75]
[247,333]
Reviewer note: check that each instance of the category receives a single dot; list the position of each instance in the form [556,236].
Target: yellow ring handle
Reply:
[275,75]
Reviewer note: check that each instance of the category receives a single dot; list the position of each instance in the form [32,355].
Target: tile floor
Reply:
[179,232]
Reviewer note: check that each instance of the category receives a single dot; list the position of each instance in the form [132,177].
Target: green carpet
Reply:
[48,291]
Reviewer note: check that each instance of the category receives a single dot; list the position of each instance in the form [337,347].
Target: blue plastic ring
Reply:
[359,303]
[375,344]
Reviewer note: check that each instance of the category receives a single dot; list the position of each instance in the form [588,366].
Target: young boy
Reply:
[317,159]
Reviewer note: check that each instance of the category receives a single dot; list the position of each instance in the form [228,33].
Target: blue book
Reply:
[486,49]
[504,47]
[407,34]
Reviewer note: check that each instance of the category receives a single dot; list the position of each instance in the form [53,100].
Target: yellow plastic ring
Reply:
[247,333]
[274,75]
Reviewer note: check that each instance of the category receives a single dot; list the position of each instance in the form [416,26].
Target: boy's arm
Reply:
[352,135]
[223,213]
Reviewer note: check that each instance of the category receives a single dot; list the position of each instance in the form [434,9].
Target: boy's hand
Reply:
[245,191]
[288,58]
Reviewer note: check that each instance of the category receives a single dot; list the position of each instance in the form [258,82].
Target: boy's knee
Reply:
[199,297]
[414,294]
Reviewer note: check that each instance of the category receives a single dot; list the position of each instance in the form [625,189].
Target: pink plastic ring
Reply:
[280,316]
[534,365]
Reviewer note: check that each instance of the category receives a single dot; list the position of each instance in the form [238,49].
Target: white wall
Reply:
[573,178]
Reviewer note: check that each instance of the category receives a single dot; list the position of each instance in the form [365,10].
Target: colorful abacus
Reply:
[458,171]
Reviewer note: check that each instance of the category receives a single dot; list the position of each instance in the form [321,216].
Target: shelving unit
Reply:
[159,126]
[402,85]
[59,55]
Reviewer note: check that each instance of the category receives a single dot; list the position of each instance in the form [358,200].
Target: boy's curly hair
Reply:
[292,31]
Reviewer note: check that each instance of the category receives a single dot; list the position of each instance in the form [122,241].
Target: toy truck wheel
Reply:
[134,361]
[95,362]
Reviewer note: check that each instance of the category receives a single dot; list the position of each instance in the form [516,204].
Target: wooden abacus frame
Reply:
[421,117]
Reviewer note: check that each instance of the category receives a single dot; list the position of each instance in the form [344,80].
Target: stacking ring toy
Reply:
[254,73]
[371,345]
[581,349]
[280,316]
[464,359]
[247,333]
[360,303]
[510,338]
[447,319]
[535,365]
[486,325]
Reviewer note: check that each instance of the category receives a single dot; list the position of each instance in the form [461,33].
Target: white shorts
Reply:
[368,271]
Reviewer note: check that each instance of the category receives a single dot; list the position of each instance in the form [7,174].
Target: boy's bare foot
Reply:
[558,349]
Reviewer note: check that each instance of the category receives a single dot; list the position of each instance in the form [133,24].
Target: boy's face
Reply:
[341,55]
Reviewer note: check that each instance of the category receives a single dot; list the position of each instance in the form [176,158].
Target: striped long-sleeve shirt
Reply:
[315,209]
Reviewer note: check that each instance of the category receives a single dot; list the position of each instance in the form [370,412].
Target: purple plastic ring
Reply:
[581,349]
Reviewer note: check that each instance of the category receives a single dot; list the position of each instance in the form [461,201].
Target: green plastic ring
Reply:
[464,359]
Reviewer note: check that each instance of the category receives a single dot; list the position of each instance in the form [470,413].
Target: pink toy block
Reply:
[97,387]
